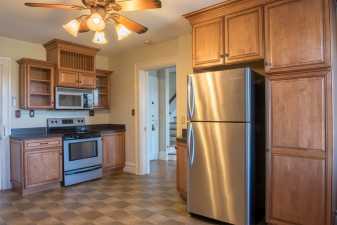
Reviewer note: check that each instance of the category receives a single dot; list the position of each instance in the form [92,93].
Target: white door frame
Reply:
[5,122]
[141,115]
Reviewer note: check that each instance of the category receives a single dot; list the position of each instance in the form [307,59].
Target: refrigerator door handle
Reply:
[190,97]
[191,150]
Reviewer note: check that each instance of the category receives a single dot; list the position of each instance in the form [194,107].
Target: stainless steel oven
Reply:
[82,149]
[72,98]
[82,159]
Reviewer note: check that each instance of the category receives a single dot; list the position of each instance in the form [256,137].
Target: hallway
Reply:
[122,199]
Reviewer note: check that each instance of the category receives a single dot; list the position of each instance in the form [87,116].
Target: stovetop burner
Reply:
[71,128]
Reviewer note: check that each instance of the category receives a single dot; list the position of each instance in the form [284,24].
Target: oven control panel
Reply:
[65,122]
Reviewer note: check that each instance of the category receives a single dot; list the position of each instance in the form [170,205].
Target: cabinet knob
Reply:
[224,55]
[267,63]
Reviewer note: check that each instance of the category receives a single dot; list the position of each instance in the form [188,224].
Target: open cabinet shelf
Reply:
[102,100]
[36,84]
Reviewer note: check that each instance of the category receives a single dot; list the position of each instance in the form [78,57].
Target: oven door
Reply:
[82,153]
[69,100]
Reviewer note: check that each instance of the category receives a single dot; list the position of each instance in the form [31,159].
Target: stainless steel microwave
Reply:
[72,98]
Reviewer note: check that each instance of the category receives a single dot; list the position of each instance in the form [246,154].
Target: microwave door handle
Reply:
[82,101]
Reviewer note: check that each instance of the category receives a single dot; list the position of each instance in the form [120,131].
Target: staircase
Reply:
[173,128]
[173,131]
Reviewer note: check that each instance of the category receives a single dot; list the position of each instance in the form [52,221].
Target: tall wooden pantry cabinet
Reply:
[295,41]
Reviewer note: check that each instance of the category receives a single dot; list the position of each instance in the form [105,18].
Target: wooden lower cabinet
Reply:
[36,165]
[181,148]
[299,171]
[42,167]
[113,151]
[298,193]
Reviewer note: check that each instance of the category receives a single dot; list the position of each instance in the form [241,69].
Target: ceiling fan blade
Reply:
[132,5]
[55,6]
[89,3]
[130,24]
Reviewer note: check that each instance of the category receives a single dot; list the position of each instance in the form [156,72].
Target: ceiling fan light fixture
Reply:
[99,38]
[122,31]
[96,22]
[72,27]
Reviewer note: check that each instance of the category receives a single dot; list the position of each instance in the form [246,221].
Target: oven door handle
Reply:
[72,172]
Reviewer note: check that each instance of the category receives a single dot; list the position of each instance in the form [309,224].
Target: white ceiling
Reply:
[41,25]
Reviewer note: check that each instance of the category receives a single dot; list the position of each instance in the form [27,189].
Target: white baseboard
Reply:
[5,183]
[130,167]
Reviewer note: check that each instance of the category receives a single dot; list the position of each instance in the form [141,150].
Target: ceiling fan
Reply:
[101,13]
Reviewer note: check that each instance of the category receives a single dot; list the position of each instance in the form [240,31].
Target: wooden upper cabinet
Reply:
[208,44]
[244,36]
[36,84]
[297,35]
[76,64]
[87,80]
[103,87]
[67,79]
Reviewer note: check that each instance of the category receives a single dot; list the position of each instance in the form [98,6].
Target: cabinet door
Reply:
[87,80]
[36,163]
[114,151]
[244,36]
[68,79]
[297,174]
[182,169]
[208,44]
[295,35]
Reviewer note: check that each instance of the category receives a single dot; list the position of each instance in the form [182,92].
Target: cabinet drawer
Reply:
[43,143]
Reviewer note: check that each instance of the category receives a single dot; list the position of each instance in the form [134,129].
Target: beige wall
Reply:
[15,50]
[124,83]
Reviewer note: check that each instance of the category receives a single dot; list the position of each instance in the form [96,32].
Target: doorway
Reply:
[5,112]
[162,113]
[157,116]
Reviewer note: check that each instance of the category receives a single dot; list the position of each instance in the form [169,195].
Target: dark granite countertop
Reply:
[42,132]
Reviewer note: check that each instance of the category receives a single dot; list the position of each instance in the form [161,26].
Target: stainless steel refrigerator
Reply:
[226,142]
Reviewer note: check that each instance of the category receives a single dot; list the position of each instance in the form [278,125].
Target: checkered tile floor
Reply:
[122,199]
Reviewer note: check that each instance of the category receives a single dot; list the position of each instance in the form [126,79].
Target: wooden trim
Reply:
[55,42]
[302,153]
[222,9]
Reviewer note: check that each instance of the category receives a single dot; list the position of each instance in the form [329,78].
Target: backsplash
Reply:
[40,118]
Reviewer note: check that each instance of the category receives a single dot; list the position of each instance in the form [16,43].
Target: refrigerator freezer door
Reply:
[218,182]
[220,96]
